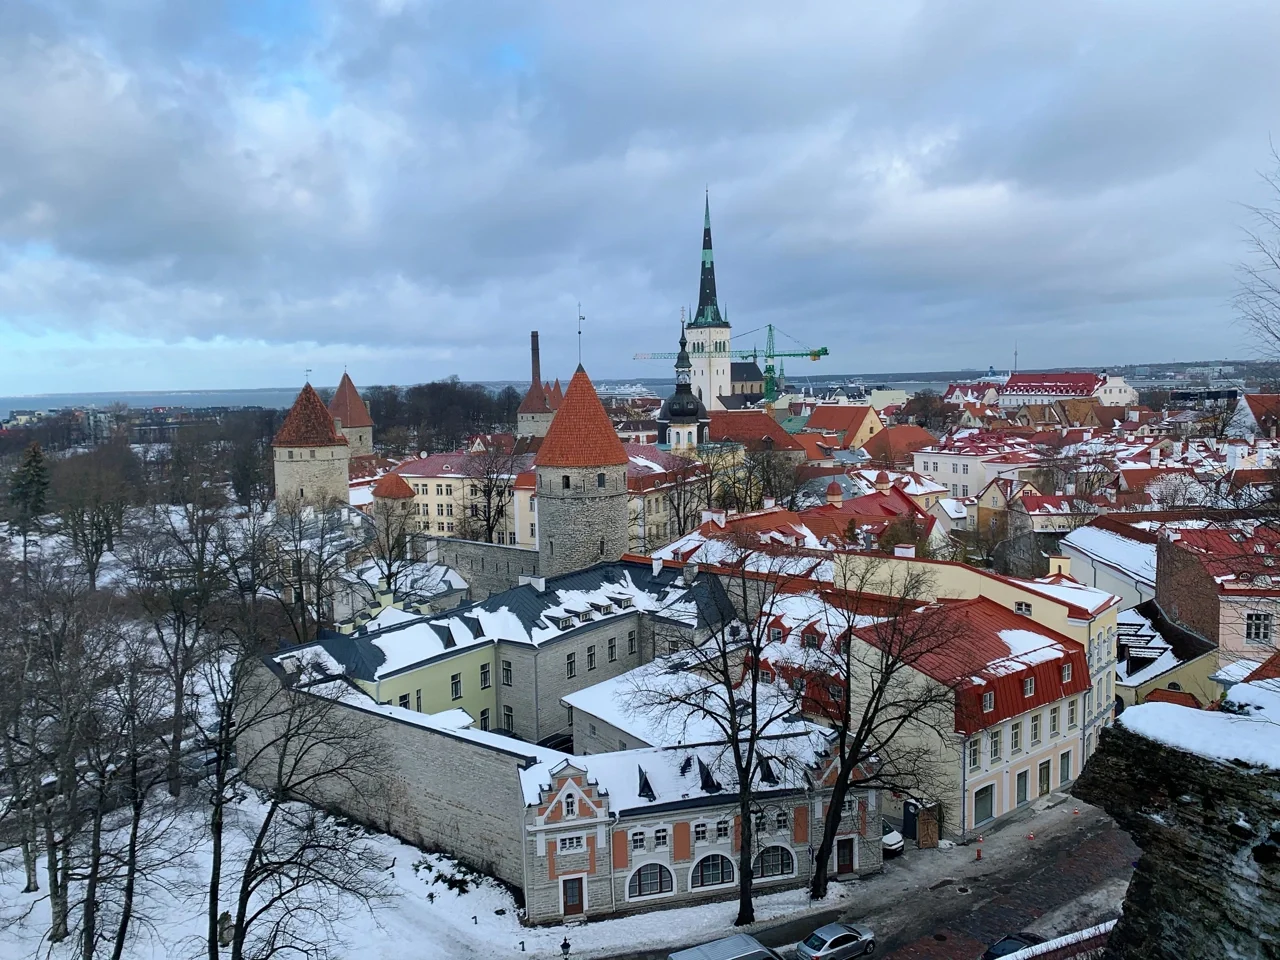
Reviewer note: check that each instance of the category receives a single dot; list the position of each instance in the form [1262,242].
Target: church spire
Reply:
[708,313]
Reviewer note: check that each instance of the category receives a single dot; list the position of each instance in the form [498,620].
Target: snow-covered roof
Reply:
[1131,557]
[955,508]
[1068,591]
[1244,730]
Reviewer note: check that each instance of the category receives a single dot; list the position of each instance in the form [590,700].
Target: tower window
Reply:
[600,480]
[564,481]
[602,548]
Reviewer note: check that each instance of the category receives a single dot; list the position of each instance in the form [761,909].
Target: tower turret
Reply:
[311,459]
[683,421]
[709,338]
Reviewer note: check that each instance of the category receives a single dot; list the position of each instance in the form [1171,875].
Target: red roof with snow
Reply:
[1181,697]
[897,444]
[1052,384]
[308,424]
[347,406]
[754,429]
[581,434]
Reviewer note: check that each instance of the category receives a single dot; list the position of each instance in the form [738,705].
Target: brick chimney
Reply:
[537,359]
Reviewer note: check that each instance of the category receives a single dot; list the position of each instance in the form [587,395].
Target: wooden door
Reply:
[1044,778]
[844,855]
[572,896]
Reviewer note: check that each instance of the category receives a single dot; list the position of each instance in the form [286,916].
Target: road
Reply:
[1051,871]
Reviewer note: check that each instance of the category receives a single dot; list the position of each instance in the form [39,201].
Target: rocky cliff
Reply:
[1208,882]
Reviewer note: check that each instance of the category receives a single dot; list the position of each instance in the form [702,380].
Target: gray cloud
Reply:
[414,185]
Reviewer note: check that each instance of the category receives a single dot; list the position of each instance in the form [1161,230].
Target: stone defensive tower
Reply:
[351,417]
[582,485]
[311,459]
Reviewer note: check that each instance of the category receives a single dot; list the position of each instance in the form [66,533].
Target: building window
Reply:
[975,753]
[631,641]
[1064,768]
[622,744]
[599,481]
[506,673]
[439,489]
[780,820]
[508,719]
[650,880]
[847,806]
[955,489]
[1053,721]
[455,686]
[1022,607]
[404,700]
[1071,713]
[613,649]
[659,838]
[417,699]
[1029,687]
[988,702]
[766,676]
[484,719]
[964,489]
[774,862]
[571,665]
[591,657]
[637,840]
[533,531]
[485,678]
[1257,628]
[571,844]
[699,832]
[1035,728]
[995,747]
[775,634]
[712,871]
[1066,673]
[722,829]
[761,824]
[810,640]
[313,454]
[1015,738]
[564,482]
[955,467]
[964,469]
[570,806]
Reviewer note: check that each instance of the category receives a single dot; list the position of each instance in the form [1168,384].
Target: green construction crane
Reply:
[771,378]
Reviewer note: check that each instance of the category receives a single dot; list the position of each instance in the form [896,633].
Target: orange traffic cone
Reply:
[1031,836]
[1076,812]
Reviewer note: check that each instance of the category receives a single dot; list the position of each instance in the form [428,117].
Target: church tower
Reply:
[709,337]
[351,417]
[311,459]
[683,421]
[582,485]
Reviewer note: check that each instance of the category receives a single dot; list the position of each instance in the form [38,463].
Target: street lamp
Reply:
[564,947]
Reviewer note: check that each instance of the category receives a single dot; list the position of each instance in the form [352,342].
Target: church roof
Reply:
[347,406]
[392,486]
[308,424]
[708,312]
[581,434]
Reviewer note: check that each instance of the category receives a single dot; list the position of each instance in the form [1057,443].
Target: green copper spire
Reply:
[708,312]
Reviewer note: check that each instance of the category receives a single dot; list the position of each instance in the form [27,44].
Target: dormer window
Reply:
[584,617]
[988,702]
[564,623]
[810,640]
[1029,687]
[624,603]
[1022,607]
[775,634]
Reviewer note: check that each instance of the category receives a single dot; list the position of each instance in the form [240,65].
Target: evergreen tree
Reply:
[29,495]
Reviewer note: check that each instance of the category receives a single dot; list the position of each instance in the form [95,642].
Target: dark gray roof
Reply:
[748,371]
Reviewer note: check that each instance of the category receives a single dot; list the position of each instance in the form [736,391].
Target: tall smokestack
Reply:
[537,360]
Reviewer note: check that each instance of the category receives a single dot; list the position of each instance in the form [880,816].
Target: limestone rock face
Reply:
[1208,882]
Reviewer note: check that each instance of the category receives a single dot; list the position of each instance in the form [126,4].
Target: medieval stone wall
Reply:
[314,474]
[1208,881]
[584,523]
[488,568]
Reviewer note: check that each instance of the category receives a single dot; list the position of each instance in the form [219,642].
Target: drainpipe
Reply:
[964,788]
[614,817]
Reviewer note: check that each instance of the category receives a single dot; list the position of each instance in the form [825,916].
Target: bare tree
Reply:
[720,686]
[1257,299]
[870,688]
[486,492]
[311,545]
[391,547]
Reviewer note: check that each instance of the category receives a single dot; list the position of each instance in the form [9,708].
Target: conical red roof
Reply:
[581,434]
[347,406]
[308,424]
[557,395]
[392,486]
[535,401]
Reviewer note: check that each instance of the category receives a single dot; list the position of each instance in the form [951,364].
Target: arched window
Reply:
[712,871]
[774,862]
[649,881]
[1175,686]
[600,480]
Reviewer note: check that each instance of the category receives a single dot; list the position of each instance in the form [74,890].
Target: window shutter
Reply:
[620,849]
[683,847]
[800,825]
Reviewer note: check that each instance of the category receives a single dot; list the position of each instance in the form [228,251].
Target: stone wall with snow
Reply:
[1199,791]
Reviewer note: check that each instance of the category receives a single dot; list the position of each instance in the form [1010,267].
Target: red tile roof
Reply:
[844,419]
[1181,697]
[556,397]
[1269,670]
[581,434]
[1240,560]
[750,428]
[535,401]
[1052,384]
[1265,408]
[308,424]
[347,406]
[897,444]
[392,486]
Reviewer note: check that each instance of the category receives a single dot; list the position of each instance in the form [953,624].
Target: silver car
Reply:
[837,941]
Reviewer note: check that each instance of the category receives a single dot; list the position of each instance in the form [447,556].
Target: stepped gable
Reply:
[347,406]
[308,424]
[581,435]
[392,486]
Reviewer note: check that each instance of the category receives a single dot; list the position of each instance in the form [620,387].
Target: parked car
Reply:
[891,842]
[738,947]
[837,941]
[1011,944]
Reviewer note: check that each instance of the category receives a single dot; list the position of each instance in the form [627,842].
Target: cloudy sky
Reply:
[204,194]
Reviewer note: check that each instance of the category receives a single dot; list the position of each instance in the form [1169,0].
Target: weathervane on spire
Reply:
[580,319]
[307,374]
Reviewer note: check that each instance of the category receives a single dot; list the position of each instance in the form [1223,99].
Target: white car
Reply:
[891,842]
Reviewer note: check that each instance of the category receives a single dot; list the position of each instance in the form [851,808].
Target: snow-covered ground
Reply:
[427,917]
